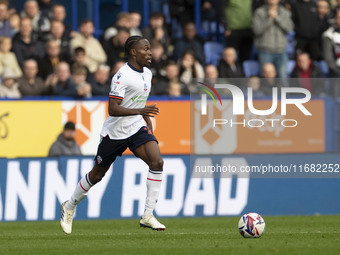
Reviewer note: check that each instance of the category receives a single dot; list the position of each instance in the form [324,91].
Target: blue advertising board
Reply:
[34,188]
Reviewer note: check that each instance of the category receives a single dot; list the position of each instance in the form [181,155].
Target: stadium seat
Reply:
[290,67]
[290,49]
[323,67]
[251,67]
[213,52]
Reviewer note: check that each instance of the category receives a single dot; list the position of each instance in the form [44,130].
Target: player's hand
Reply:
[150,110]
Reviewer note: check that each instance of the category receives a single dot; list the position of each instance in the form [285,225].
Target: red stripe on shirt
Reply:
[115,97]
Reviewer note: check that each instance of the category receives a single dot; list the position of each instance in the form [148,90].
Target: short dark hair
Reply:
[79,50]
[170,63]
[156,15]
[130,43]
[70,126]
[85,21]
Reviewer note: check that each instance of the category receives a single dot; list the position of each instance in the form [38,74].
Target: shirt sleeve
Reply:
[118,87]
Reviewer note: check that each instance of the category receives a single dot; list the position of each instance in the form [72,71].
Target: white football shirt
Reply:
[133,87]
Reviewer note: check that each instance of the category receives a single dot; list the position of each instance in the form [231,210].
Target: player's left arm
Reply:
[148,122]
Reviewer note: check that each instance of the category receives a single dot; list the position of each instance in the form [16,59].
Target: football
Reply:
[251,225]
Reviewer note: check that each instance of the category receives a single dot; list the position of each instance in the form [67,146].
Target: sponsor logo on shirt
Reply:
[139,99]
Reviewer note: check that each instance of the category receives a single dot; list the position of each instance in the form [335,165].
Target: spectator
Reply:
[58,34]
[271,24]
[190,68]
[324,19]
[305,18]
[30,84]
[190,41]
[114,48]
[236,17]
[45,6]
[7,58]
[95,54]
[306,73]
[65,145]
[331,53]
[335,4]
[123,20]
[5,27]
[211,74]
[40,23]
[156,31]
[14,20]
[254,83]
[52,58]
[25,43]
[9,86]
[61,81]
[324,14]
[79,80]
[159,60]
[174,89]
[208,12]
[59,14]
[182,11]
[170,79]
[229,67]
[268,82]
[116,67]
[101,84]
[78,59]
[135,19]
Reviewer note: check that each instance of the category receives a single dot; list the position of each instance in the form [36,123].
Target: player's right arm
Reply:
[116,110]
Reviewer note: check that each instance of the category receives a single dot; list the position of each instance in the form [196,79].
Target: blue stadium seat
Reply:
[323,67]
[213,52]
[290,67]
[290,49]
[251,67]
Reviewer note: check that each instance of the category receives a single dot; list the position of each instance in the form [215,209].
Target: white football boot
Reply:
[151,222]
[66,219]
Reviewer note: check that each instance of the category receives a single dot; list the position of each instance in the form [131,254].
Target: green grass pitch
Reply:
[283,235]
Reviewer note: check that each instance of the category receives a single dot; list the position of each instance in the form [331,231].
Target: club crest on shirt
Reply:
[145,87]
[118,76]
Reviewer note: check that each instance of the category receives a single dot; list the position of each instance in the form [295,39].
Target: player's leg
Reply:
[104,158]
[150,154]
[85,184]
[80,192]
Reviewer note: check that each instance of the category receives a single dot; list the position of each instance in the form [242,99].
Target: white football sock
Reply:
[153,184]
[79,193]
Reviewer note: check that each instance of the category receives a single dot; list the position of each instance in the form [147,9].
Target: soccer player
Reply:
[125,128]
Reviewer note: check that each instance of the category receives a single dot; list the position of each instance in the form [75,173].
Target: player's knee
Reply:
[157,164]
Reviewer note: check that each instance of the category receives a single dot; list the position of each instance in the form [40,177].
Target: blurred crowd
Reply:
[40,55]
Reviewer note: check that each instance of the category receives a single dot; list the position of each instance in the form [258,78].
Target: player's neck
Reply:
[134,66]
